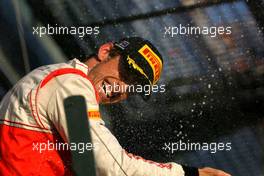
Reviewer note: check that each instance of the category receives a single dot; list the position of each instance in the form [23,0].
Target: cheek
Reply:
[111,72]
[111,68]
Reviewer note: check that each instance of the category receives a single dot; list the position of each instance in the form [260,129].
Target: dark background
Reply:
[214,86]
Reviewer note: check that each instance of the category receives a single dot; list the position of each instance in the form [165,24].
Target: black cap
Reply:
[142,58]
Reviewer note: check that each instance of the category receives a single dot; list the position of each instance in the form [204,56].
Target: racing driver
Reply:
[33,112]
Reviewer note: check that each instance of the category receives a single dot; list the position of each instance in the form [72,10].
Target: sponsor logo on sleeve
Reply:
[93,114]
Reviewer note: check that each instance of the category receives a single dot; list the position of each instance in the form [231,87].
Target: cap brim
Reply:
[138,79]
[145,94]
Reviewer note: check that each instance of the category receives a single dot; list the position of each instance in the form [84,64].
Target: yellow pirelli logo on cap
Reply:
[153,60]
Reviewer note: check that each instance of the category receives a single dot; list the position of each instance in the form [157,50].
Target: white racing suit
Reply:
[32,114]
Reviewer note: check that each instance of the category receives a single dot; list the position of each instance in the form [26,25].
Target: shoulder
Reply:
[67,82]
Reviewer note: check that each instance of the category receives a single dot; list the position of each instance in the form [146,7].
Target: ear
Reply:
[103,51]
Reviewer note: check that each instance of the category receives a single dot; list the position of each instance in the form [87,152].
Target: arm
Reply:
[113,160]
[207,171]
[110,158]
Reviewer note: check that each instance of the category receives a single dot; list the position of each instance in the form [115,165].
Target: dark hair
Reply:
[112,53]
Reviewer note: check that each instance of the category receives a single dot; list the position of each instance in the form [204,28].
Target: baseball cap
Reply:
[142,59]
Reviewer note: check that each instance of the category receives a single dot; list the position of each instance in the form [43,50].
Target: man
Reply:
[32,113]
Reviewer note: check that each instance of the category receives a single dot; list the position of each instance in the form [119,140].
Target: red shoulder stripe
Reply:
[64,71]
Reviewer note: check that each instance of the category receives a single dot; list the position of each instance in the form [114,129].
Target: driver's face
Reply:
[107,80]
